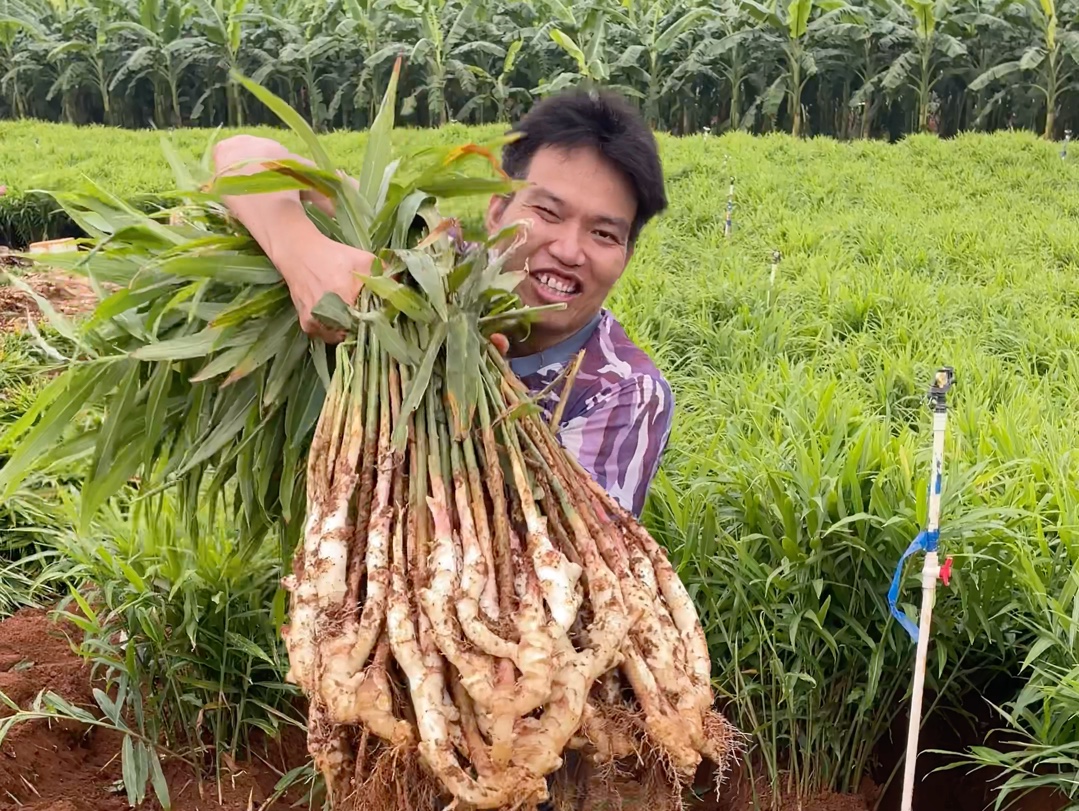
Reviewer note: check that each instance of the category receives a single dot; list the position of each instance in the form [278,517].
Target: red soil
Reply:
[736,794]
[62,766]
[69,295]
[66,767]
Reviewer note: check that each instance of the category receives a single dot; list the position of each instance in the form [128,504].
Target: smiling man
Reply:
[594,180]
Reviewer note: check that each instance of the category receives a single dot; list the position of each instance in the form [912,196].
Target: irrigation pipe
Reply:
[926,541]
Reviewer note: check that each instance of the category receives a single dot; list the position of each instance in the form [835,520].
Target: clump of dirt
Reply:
[69,295]
[9,259]
[48,765]
[817,802]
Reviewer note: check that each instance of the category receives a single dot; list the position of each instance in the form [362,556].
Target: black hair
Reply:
[601,119]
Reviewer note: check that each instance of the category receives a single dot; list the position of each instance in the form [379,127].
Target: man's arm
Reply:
[246,155]
[311,263]
[621,436]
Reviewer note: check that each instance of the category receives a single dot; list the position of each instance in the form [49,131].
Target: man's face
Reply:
[581,210]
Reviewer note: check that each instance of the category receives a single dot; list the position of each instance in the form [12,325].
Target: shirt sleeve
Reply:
[620,435]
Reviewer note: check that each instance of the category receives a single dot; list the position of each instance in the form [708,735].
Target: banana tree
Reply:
[581,33]
[87,54]
[444,49]
[990,39]
[221,23]
[931,52]
[1053,59]
[37,79]
[302,56]
[793,28]
[368,24]
[17,26]
[692,88]
[871,38]
[657,27]
[499,91]
[163,54]
[726,54]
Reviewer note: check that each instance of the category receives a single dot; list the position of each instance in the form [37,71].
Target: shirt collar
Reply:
[559,353]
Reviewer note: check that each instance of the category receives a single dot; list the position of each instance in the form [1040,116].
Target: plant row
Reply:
[848,68]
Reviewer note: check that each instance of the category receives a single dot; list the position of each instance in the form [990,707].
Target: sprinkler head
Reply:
[943,380]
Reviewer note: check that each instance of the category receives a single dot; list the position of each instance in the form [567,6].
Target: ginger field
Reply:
[800,350]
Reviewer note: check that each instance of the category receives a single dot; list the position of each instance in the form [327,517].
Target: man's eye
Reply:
[547,213]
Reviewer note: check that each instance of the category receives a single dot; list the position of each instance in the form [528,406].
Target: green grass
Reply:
[29,516]
[39,155]
[798,463]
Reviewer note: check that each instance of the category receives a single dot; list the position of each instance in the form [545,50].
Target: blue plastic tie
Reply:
[926,541]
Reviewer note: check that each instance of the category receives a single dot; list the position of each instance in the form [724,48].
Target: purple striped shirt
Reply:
[618,416]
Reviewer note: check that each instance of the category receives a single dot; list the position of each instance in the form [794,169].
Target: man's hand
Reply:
[324,266]
[311,263]
[321,266]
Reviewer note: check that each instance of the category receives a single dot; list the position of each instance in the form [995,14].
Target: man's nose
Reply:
[567,246]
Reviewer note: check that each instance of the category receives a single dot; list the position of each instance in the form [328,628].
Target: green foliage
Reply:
[182,629]
[838,67]
[38,156]
[1039,745]
[197,358]
[797,469]
[797,466]
[29,513]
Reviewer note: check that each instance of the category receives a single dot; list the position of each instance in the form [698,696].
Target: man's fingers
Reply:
[501,342]
[316,329]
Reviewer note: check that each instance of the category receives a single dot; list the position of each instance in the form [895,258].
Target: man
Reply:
[594,181]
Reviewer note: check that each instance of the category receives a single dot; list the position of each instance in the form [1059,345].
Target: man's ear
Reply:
[496,207]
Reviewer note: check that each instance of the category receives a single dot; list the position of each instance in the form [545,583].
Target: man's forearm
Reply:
[270,217]
[277,220]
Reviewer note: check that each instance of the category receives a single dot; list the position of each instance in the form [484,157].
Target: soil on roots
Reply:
[66,766]
[616,785]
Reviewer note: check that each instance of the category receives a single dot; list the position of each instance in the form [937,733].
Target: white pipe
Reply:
[930,573]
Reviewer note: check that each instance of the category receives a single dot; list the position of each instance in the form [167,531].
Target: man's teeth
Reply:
[556,284]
